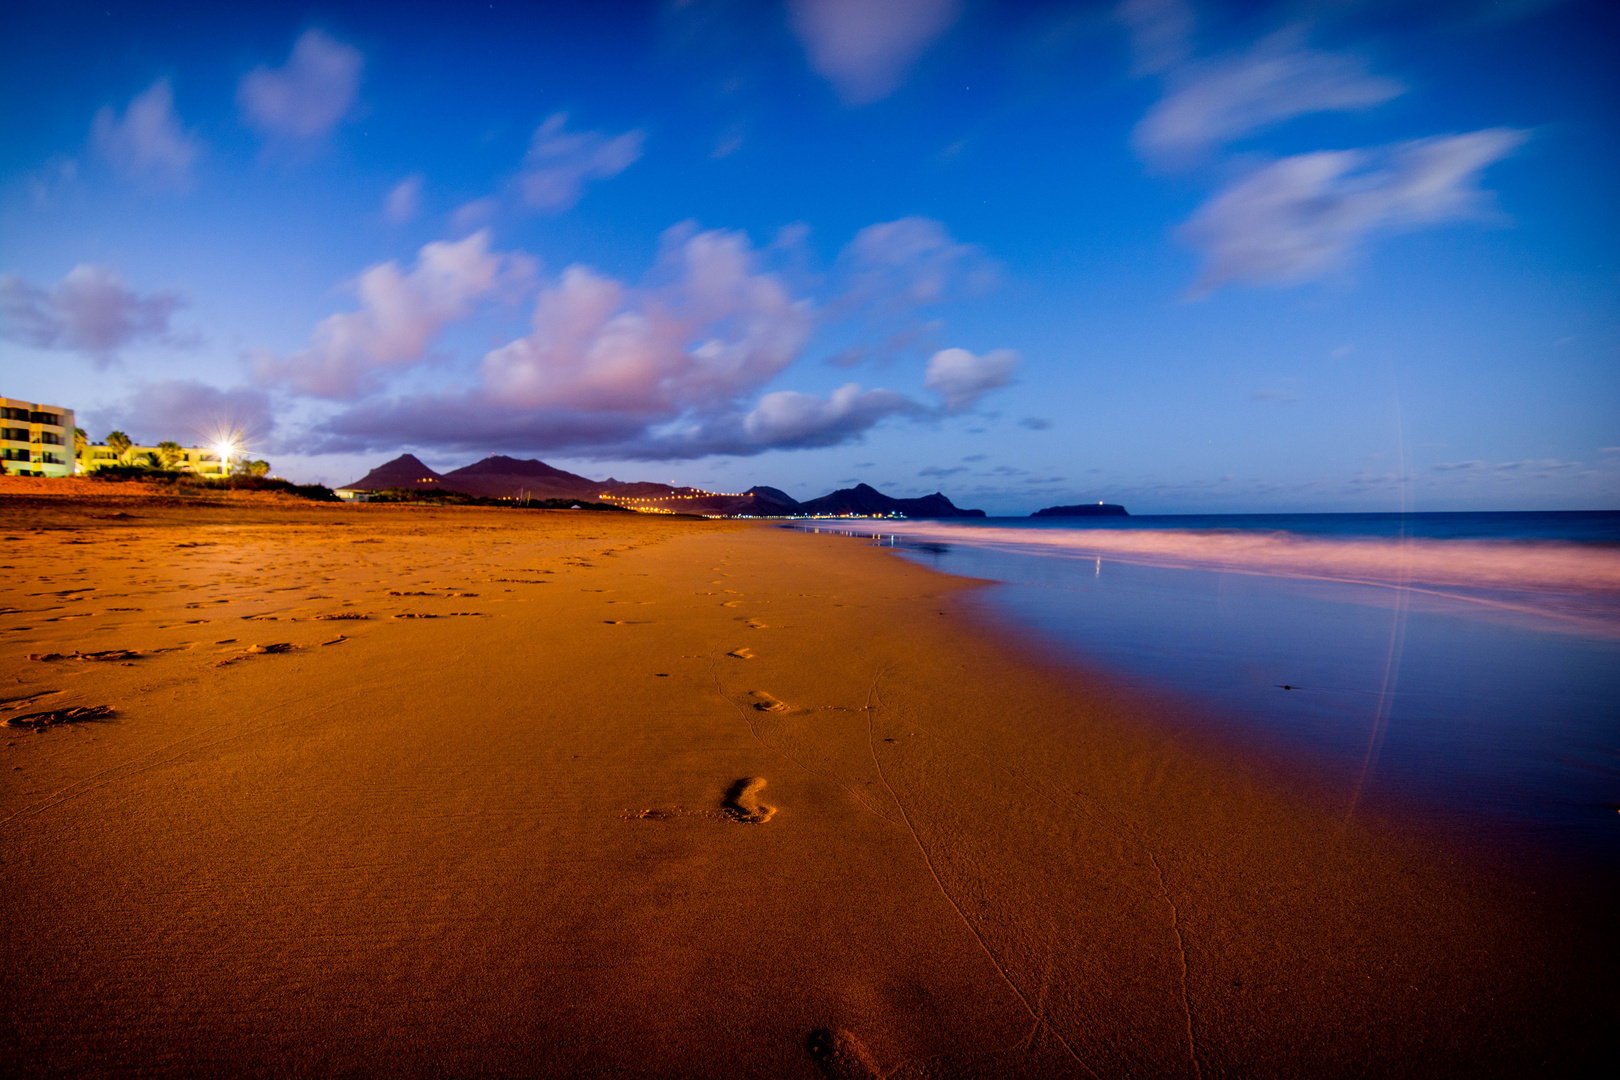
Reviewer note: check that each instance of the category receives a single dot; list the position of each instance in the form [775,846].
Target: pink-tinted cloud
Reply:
[90,311]
[148,141]
[664,370]
[864,47]
[308,96]
[717,328]
[675,366]
[400,315]
[561,162]
[1306,216]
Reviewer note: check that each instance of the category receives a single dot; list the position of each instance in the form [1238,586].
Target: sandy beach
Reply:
[471,792]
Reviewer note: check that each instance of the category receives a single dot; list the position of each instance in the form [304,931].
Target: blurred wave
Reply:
[1580,581]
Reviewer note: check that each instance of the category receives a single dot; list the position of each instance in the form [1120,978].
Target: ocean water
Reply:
[1466,665]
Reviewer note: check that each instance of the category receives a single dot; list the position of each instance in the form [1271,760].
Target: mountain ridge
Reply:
[500,477]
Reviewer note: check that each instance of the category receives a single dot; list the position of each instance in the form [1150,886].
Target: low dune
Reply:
[434,792]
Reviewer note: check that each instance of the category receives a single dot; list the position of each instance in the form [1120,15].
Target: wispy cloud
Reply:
[886,278]
[1306,216]
[865,47]
[148,141]
[401,313]
[309,95]
[1035,423]
[1160,31]
[911,262]
[404,200]
[90,311]
[1539,467]
[1210,103]
[561,162]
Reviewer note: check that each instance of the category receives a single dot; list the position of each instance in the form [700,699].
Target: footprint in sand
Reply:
[765,702]
[839,1054]
[742,801]
[39,721]
[742,654]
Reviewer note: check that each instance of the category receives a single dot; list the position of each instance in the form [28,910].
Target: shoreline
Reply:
[515,842]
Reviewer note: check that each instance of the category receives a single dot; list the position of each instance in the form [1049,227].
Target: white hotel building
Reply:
[35,439]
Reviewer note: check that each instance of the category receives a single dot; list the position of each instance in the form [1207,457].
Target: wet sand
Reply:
[553,794]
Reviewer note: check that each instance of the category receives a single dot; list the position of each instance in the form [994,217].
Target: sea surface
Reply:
[1463,664]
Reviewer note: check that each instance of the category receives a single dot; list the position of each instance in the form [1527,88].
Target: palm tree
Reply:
[81,446]
[120,444]
[170,453]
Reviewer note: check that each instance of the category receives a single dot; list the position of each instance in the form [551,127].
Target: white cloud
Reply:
[90,311]
[561,162]
[1214,102]
[404,201]
[401,313]
[148,141]
[307,97]
[1305,216]
[788,418]
[961,378]
[863,47]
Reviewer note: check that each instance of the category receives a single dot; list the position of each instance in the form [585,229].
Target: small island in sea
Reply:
[1100,509]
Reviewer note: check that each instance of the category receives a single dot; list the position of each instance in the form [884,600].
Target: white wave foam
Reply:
[1521,568]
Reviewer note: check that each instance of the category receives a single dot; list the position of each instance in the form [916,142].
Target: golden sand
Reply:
[413,792]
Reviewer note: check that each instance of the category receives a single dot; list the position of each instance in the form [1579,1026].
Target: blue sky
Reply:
[1187,256]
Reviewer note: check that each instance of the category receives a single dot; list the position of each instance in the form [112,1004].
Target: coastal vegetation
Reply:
[444,497]
[184,482]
